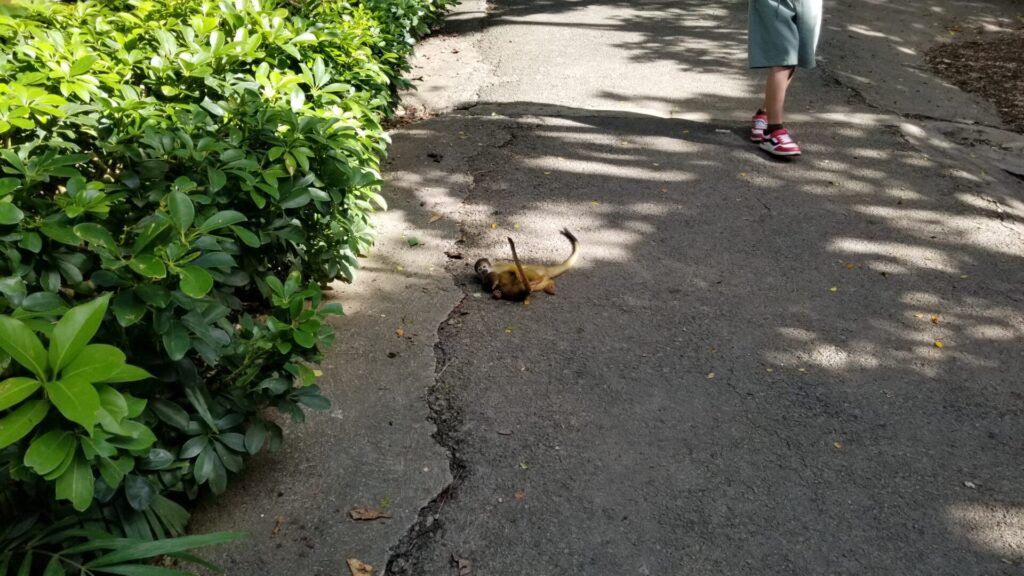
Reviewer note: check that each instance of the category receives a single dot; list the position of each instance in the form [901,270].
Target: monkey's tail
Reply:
[519,266]
[571,260]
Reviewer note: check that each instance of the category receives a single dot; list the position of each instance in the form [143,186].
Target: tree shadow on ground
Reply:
[746,368]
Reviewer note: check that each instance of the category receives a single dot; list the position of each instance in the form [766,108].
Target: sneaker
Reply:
[758,124]
[780,143]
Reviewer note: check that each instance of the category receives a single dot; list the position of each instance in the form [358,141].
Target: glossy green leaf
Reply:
[96,234]
[255,436]
[170,413]
[112,401]
[48,451]
[10,214]
[126,373]
[195,281]
[76,399]
[18,340]
[94,363]
[206,464]
[216,179]
[138,438]
[176,341]
[14,390]
[181,209]
[220,220]
[54,567]
[60,469]
[149,266]
[167,546]
[194,446]
[32,242]
[112,471]
[74,330]
[128,308]
[248,238]
[77,484]
[139,492]
[43,302]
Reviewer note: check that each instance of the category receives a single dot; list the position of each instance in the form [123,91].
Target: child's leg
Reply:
[775,88]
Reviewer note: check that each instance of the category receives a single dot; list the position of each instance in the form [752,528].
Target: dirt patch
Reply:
[991,66]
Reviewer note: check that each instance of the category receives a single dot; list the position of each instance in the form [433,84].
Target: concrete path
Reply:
[743,376]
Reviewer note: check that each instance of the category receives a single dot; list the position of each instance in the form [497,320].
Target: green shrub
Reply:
[179,179]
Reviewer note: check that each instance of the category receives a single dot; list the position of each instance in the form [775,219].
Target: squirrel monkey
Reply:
[516,281]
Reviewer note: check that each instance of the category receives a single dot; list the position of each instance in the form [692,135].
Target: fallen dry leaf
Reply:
[520,495]
[939,344]
[364,513]
[400,332]
[360,568]
[850,265]
[463,565]
[711,375]
[935,318]
[494,224]
[834,289]
[508,329]
[278,523]
[453,255]
[435,216]
[837,445]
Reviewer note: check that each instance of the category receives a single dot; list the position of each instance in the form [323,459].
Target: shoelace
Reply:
[783,138]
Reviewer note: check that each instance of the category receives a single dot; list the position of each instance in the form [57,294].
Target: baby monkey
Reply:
[515,281]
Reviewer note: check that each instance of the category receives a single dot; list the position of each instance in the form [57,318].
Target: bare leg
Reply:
[779,78]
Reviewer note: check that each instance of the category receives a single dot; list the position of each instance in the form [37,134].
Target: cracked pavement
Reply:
[744,375]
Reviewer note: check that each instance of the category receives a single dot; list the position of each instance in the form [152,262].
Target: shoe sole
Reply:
[774,153]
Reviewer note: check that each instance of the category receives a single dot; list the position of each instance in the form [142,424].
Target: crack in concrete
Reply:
[446,416]
[445,413]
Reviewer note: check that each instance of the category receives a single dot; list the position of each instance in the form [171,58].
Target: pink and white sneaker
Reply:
[758,124]
[780,143]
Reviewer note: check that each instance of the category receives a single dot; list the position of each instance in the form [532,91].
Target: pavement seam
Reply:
[445,413]
[447,419]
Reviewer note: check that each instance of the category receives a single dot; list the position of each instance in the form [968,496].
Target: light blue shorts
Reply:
[783,32]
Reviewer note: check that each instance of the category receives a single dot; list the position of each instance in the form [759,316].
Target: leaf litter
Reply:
[364,513]
[360,568]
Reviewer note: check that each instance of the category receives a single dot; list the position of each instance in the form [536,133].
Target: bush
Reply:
[180,178]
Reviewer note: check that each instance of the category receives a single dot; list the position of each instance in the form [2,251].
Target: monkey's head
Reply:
[482,267]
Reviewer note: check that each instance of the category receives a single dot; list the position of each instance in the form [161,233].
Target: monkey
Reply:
[514,281]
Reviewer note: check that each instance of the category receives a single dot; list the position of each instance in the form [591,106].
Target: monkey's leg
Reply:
[545,284]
